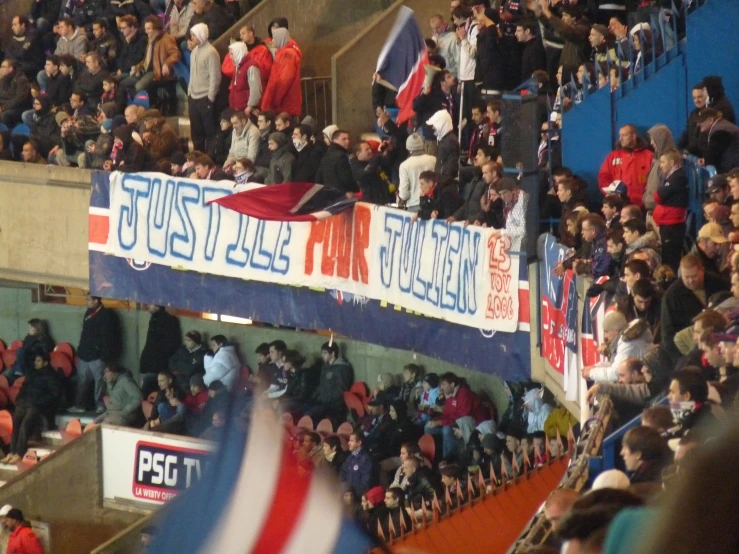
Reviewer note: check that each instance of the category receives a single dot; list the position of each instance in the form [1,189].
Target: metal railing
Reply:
[317,99]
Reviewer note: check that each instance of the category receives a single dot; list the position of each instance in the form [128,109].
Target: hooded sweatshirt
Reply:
[466,424]
[283,92]
[538,410]
[634,341]
[205,66]
[663,140]
[447,157]
[222,366]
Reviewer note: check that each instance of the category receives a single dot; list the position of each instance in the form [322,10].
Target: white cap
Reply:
[611,479]
[5,509]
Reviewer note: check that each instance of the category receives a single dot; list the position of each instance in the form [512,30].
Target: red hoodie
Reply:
[22,540]
[464,403]
[629,167]
[283,92]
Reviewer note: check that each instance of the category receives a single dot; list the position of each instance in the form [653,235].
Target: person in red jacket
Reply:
[629,163]
[459,401]
[669,214]
[248,65]
[22,539]
[283,92]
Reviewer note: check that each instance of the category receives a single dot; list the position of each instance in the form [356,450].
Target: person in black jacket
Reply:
[439,96]
[213,15]
[439,200]
[490,53]
[533,57]
[335,170]
[309,155]
[100,343]
[370,172]
[162,341]
[132,47]
[15,93]
[717,97]
[131,157]
[400,430]
[333,453]
[44,129]
[38,398]
[420,488]
[686,298]
[188,359]
[36,340]
[689,140]
[24,46]
[301,386]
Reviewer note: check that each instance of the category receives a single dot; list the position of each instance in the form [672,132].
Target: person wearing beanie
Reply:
[205,80]
[335,169]
[283,92]
[282,163]
[409,190]
[22,539]
[187,361]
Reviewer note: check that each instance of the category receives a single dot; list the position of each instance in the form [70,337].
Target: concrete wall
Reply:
[65,491]
[352,67]
[43,224]
[320,27]
[369,360]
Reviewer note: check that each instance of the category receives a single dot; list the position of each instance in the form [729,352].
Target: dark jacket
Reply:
[27,51]
[44,128]
[371,182]
[720,146]
[717,97]
[359,472]
[306,165]
[216,18]
[186,363]
[447,157]
[162,341]
[444,199]
[132,52]
[399,432]
[575,39]
[489,59]
[680,305]
[426,105]
[672,197]
[15,92]
[58,89]
[108,48]
[334,381]
[281,166]
[471,210]
[31,345]
[335,170]
[264,154]
[101,335]
[420,489]
[690,139]
[303,384]
[91,85]
[533,58]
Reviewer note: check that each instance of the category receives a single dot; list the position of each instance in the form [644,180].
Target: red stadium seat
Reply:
[325,428]
[66,349]
[18,383]
[306,423]
[74,427]
[345,429]
[4,385]
[9,357]
[2,345]
[60,361]
[354,403]
[6,426]
[15,345]
[428,447]
[90,427]
[244,377]
[360,389]
[4,400]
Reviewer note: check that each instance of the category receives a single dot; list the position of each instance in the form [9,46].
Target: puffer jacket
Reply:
[222,366]
[662,137]
[633,342]
[536,409]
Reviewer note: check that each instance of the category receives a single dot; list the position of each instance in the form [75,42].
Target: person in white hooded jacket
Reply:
[537,411]
[447,156]
[632,340]
[223,364]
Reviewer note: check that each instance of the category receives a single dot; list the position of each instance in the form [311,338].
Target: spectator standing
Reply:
[188,359]
[15,93]
[244,140]
[162,341]
[99,344]
[336,377]
[205,79]
[660,138]
[22,539]
[670,213]
[690,139]
[717,98]
[569,26]
[124,399]
[439,96]
[283,92]
[335,170]
[492,56]
[249,76]
[446,42]
[447,158]
[629,163]
[214,15]
[370,175]
[533,57]
[719,141]
[282,162]
[467,31]
[177,17]
[409,190]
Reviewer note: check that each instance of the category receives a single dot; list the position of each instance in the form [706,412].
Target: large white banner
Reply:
[460,274]
[150,467]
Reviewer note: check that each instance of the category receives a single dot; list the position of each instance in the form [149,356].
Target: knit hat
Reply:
[278,138]
[107,126]
[375,495]
[611,479]
[414,143]
[178,158]
[602,29]
[614,321]
[61,117]
[197,381]
[16,514]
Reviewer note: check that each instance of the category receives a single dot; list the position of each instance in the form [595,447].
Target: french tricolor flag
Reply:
[402,61]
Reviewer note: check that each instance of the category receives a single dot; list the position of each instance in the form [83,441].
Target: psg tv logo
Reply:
[138,265]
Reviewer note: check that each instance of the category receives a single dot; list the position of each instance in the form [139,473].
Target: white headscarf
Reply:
[238,51]
[441,121]
[201,32]
[280,37]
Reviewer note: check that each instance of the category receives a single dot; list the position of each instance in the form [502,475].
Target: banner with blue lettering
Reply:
[558,308]
[312,305]
[462,274]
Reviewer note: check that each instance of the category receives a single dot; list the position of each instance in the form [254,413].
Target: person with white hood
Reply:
[447,156]
[249,78]
[223,364]
[205,78]
[409,191]
[622,341]
[536,409]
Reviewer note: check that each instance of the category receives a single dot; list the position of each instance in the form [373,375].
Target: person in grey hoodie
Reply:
[205,78]
[633,340]
[660,137]
[72,40]
[124,398]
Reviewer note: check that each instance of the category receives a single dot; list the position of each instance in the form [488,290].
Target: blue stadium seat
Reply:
[141,99]
[21,129]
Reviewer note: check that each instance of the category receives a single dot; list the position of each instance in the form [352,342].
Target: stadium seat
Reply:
[15,390]
[4,385]
[345,429]
[72,431]
[360,389]
[21,130]
[9,357]
[325,428]
[66,349]
[2,346]
[30,458]
[428,447]
[244,377]
[141,99]
[147,407]
[6,426]
[4,400]
[15,345]
[354,404]
[60,361]
[90,427]
[306,423]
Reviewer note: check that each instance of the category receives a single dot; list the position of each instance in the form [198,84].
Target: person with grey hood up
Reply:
[661,140]
[282,164]
[623,340]
[447,156]
[205,78]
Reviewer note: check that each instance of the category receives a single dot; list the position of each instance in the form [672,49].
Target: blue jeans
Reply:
[447,438]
